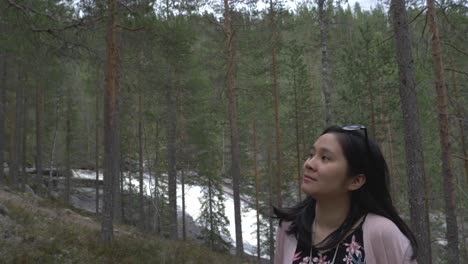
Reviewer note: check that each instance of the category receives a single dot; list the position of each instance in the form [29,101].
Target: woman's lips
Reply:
[309,178]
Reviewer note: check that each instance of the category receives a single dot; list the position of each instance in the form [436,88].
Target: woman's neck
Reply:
[331,213]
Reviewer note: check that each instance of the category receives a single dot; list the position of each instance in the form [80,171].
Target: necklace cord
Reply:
[312,245]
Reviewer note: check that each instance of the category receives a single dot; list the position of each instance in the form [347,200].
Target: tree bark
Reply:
[96,146]
[171,161]
[275,89]
[68,142]
[257,187]
[391,160]
[2,115]
[54,141]
[22,178]
[233,124]
[157,203]
[298,148]
[325,77]
[140,162]
[111,129]
[461,128]
[370,90]
[412,135]
[182,183]
[453,253]
[39,131]
[461,125]
[270,202]
[210,201]
[17,136]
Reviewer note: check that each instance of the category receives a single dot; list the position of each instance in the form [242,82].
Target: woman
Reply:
[348,215]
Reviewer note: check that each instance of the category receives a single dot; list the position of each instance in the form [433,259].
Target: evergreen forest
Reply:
[153,96]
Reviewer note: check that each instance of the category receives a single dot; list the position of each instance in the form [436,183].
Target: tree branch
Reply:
[130,29]
[456,71]
[455,48]
[460,157]
[127,7]
[26,10]
[412,20]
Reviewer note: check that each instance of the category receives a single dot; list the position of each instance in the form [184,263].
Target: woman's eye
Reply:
[325,158]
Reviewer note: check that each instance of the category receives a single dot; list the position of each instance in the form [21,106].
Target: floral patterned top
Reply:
[349,251]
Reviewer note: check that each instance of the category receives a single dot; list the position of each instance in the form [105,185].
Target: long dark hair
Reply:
[373,197]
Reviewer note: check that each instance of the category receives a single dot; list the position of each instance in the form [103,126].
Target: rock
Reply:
[68,211]
[3,210]
[29,190]
[55,195]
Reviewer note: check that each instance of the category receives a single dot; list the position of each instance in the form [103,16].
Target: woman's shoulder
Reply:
[379,222]
[378,226]
[385,241]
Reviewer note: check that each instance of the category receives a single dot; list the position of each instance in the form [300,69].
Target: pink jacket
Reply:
[383,243]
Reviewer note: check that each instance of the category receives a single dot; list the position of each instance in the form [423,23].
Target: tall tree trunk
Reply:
[412,135]
[96,146]
[17,136]
[391,161]
[311,114]
[370,89]
[453,254]
[233,124]
[171,150]
[298,148]
[2,115]
[156,202]
[182,183]
[325,77]
[22,178]
[461,125]
[461,128]
[120,207]
[10,126]
[111,130]
[39,131]
[257,187]
[210,201]
[140,162]
[68,142]
[171,161]
[54,142]
[270,202]
[275,86]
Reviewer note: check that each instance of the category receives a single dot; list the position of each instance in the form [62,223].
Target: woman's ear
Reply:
[356,182]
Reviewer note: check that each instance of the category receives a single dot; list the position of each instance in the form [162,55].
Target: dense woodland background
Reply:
[222,93]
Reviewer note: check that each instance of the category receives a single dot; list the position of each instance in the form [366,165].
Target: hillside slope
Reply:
[38,230]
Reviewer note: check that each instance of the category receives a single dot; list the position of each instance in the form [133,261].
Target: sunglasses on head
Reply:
[356,128]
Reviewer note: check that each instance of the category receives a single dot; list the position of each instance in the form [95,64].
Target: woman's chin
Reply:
[306,189]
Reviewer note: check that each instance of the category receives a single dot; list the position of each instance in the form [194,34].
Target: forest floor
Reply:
[34,229]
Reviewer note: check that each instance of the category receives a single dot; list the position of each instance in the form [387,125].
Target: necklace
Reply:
[320,255]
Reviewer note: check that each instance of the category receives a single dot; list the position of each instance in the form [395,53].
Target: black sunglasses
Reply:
[358,127]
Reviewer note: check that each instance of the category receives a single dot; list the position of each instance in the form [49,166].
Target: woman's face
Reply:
[326,170]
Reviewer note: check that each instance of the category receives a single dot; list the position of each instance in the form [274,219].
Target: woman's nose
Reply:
[309,164]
